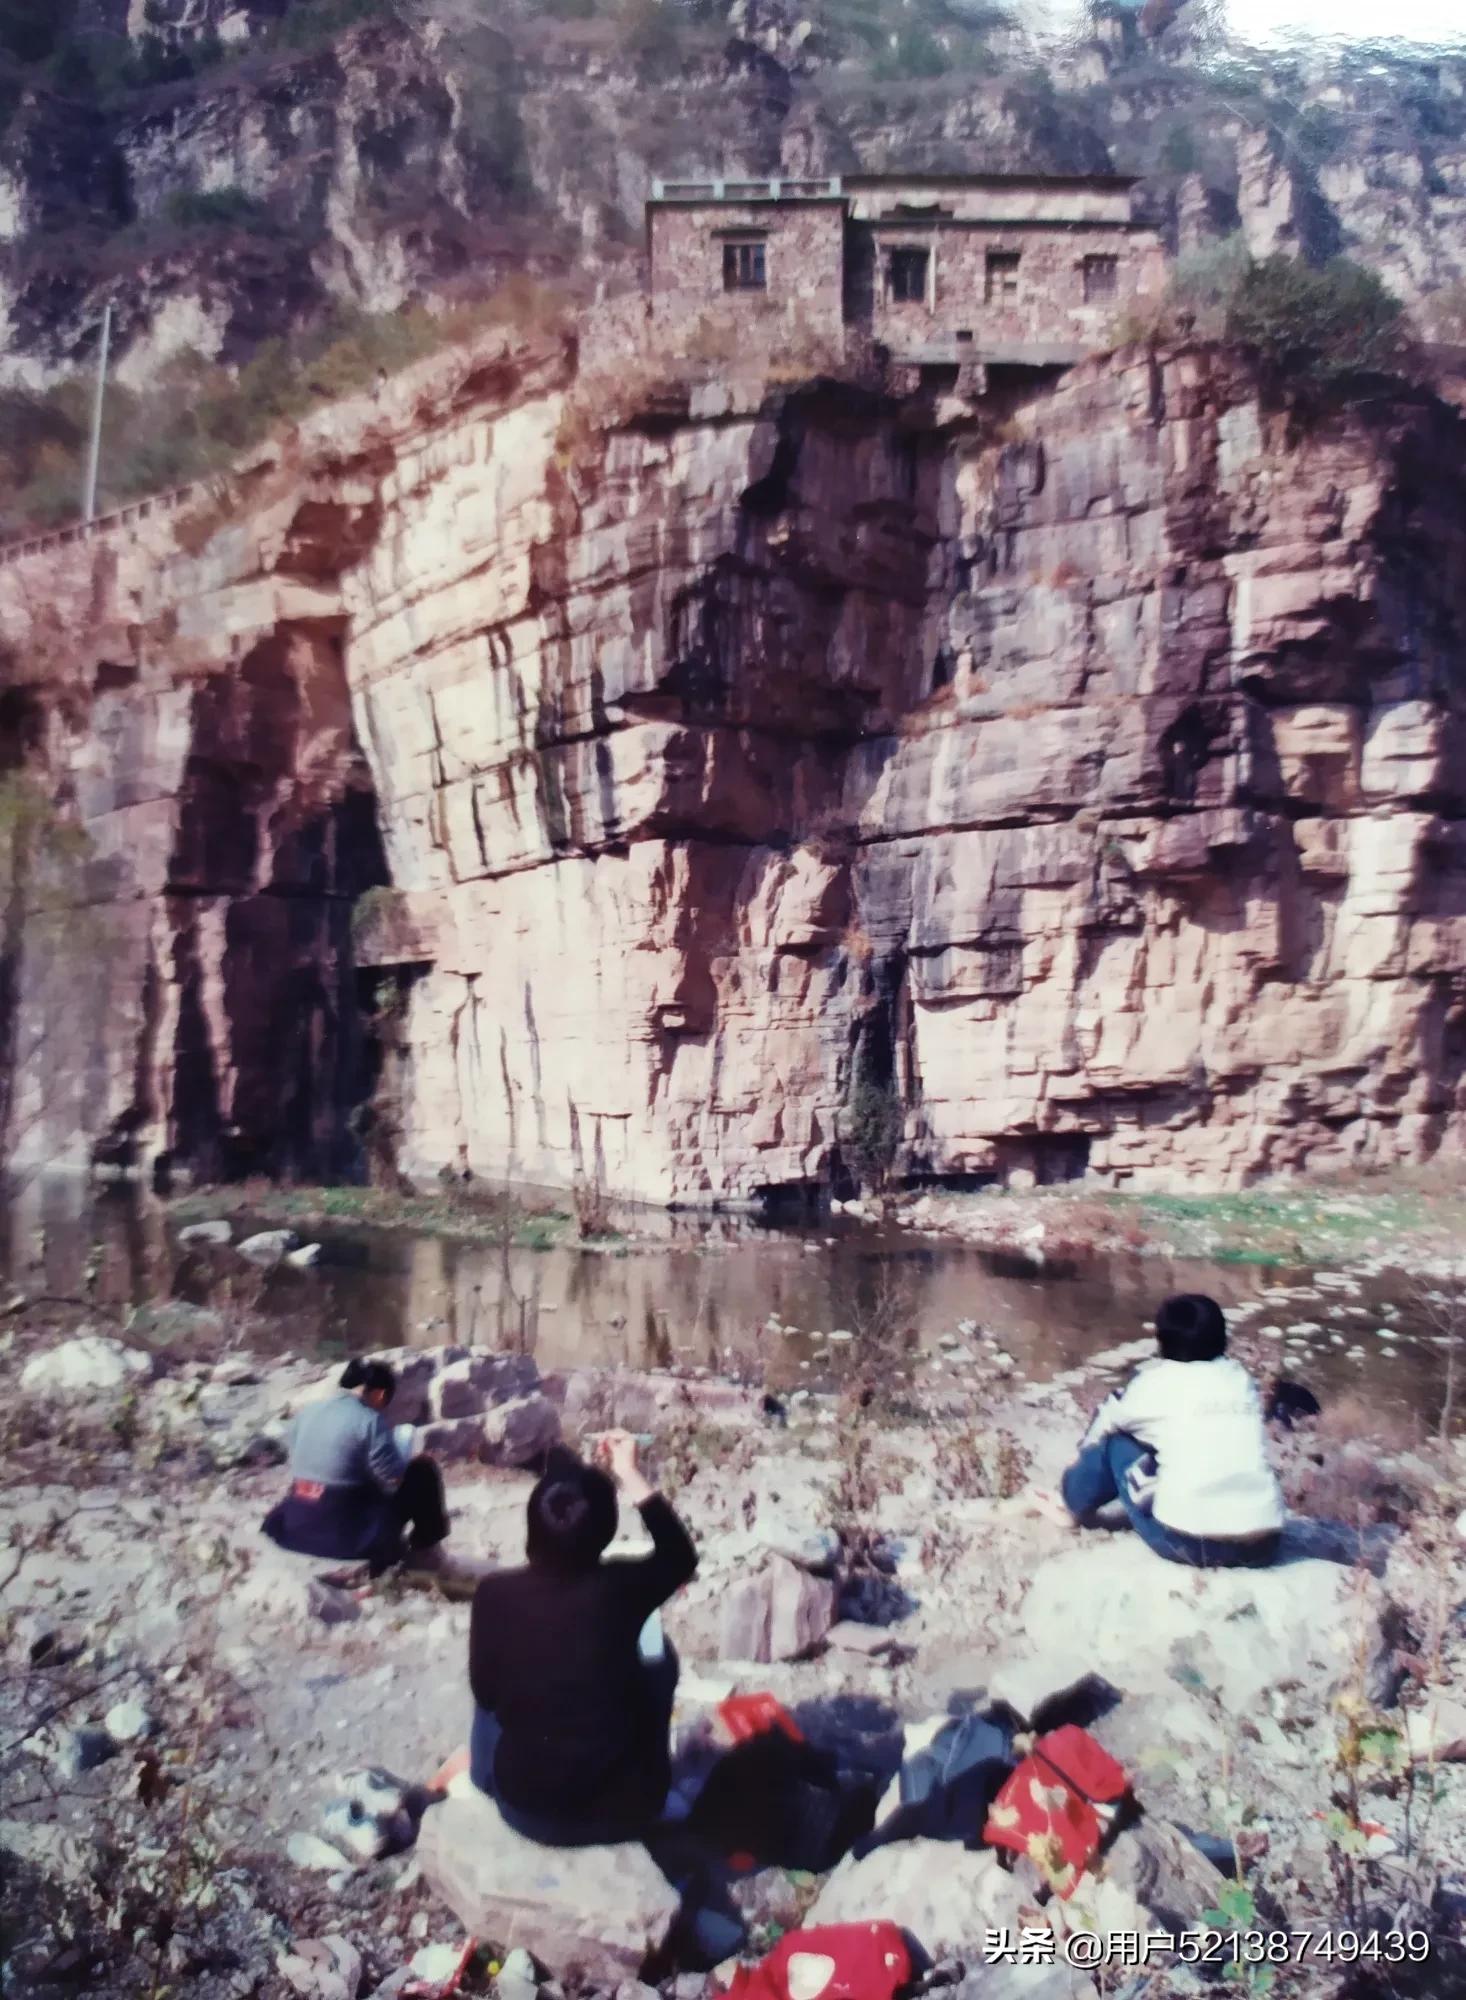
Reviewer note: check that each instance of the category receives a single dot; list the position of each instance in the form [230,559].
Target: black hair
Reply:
[1191,1327]
[373,1376]
[572,1513]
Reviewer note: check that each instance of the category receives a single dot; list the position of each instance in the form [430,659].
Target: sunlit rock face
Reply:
[764,790]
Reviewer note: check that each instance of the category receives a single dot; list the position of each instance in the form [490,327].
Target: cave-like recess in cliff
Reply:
[276,841]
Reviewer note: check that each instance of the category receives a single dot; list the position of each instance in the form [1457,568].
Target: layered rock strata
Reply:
[774,790]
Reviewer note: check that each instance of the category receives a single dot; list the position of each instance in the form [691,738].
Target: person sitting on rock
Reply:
[1182,1448]
[573,1698]
[354,1495]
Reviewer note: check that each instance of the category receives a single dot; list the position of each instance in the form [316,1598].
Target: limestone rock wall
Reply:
[774,789]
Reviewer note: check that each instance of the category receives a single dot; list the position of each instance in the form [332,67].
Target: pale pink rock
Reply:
[689,775]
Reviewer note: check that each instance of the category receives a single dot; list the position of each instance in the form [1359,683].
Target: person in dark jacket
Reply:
[572,1691]
[354,1495]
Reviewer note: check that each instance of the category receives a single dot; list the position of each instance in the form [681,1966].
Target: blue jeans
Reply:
[1098,1477]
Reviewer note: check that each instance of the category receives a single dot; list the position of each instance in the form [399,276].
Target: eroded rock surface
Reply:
[766,790]
[595,1911]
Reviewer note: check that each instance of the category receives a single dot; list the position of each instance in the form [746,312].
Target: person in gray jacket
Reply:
[354,1495]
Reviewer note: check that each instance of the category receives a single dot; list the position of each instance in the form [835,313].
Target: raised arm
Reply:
[673,1560]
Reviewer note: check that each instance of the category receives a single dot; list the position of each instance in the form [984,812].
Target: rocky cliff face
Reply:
[773,790]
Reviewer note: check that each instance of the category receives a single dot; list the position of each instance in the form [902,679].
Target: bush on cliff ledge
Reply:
[1318,322]
[1309,324]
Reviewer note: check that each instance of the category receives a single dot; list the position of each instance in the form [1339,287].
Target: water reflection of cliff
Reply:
[719,1292]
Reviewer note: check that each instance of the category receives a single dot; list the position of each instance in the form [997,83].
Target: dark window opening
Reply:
[907,276]
[1002,274]
[1101,278]
[744,268]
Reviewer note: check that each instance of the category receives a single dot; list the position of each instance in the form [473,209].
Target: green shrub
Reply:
[1306,322]
[1320,321]
[195,419]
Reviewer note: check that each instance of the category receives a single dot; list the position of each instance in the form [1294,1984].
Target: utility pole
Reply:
[94,456]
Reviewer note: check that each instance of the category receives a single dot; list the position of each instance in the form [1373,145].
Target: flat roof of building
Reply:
[833,187]
[921,179]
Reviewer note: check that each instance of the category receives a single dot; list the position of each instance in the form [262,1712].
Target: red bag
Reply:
[834,1962]
[1046,1810]
[745,1716]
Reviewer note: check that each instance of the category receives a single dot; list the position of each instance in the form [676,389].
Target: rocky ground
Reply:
[187,1710]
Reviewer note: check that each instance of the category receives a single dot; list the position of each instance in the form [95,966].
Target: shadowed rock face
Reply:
[773,788]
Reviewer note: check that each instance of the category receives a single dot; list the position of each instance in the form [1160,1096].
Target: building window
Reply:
[1002,275]
[1101,279]
[906,276]
[744,269]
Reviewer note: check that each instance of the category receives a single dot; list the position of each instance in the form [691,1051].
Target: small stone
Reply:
[126,1721]
[436,1964]
[849,1637]
[517,1978]
[268,1246]
[1436,1731]
[217,1231]
[322,1968]
[305,1257]
[330,1604]
[308,1850]
[73,1751]
[235,1371]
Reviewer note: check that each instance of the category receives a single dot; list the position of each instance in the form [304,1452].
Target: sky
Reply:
[1435,22]
[1279,23]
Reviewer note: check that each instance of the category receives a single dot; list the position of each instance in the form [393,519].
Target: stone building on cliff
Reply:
[933,269]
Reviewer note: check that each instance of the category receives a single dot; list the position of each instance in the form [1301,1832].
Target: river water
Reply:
[785,1305]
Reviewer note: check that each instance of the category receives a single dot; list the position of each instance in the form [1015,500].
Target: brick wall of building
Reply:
[803,255]
[1048,306]
[828,270]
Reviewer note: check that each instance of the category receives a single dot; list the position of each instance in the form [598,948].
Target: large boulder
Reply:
[469,1386]
[781,1612]
[1167,1874]
[89,1366]
[1146,1624]
[947,1897]
[520,1431]
[592,1913]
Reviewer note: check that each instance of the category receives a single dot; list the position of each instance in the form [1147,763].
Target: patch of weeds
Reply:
[539,1232]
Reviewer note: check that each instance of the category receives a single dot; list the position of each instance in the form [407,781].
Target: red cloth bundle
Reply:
[1047,1809]
[833,1962]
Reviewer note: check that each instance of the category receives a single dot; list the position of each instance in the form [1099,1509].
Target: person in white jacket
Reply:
[1182,1447]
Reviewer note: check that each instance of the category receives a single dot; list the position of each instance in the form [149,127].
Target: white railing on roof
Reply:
[778,188]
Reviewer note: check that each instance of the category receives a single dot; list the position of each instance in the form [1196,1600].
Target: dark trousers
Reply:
[362,1523]
[418,1508]
[553,1829]
[1098,1477]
